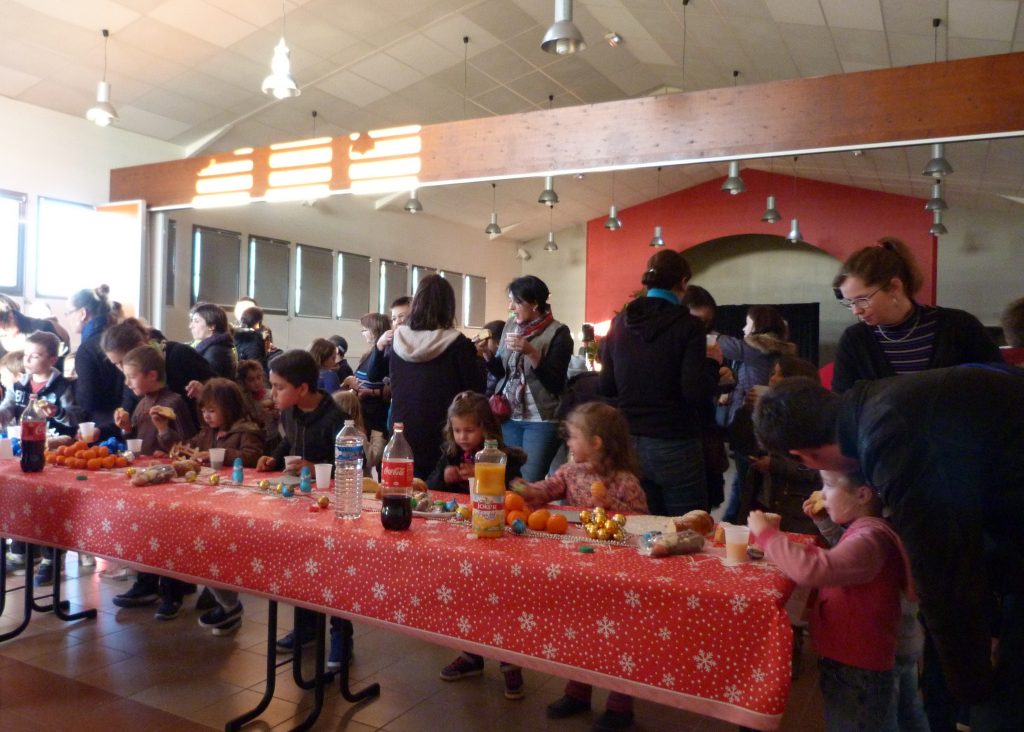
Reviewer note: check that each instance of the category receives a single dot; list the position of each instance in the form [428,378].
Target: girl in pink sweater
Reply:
[856,619]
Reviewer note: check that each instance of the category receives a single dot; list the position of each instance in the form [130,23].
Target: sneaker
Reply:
[287,642]
[44,573]
[513,683]
[15,563]
[612,722]
[206,600]
[334,657]
[168,610]
[567,706]
[86,560]
[137,596]
[221,621]
[462,668]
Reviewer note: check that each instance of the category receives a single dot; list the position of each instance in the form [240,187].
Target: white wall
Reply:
[565,274]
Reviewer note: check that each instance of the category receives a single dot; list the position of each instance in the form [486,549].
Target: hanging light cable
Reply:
[563,37]
[492,228]
[795,235]
[657,240]
[465,77]
[102,113]
[613,223]
[280,83]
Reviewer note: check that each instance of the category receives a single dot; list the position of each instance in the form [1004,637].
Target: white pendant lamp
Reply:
[280,83]
[551,246]
[657,240]
[563,37]
[614,223]
[102,113]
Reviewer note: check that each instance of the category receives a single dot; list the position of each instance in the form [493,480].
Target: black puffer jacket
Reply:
[219,352]
[654,361]
[311,434]
[945,449]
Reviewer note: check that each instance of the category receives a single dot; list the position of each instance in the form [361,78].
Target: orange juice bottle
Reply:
[488,496]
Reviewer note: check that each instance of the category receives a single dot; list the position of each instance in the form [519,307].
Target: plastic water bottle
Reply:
[348,472]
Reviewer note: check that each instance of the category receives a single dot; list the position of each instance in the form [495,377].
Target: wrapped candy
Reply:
[658,544]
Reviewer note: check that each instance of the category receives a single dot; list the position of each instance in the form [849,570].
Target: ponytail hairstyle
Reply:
[348,401]
[597,419]
[766,319]
[95,302]
[877,265]
[128,334]
[531,290]
[666,270]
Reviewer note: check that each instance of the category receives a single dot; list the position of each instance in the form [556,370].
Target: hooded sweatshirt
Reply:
[756,355]
[654,362]
[428,368]
[244,439]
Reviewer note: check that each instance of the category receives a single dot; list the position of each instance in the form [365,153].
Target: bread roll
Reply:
[165,412]
[720,533]
[817,502]
[699,521]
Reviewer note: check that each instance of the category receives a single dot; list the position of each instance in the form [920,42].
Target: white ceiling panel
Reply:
[353,88]
[204,20]
[863,15]
[386,71]
[88,14]
[993,20]
[423,54]
[804,12]
[14,82]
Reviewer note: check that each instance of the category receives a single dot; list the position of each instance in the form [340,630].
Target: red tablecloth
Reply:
[685,631]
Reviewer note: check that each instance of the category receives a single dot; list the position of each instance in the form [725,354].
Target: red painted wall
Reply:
[835,218]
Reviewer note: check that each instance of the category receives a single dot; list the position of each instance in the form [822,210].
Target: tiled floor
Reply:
[126,670]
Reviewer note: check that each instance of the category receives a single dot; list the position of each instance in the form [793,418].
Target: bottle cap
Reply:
[399,426]
[491,443]
[238,462]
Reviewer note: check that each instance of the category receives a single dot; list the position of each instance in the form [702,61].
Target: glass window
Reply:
[353,286]
[455,280]
[63,230]
[314,280]
[418,273]
[475,301]
[12,240]
[215,265]
[269,273]
[394,283]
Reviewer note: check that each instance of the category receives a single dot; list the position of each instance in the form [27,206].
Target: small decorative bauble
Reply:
[263,485]
[286,491]
[611,526]
[586,517]
[215,479]
[619,535]
[129,472]
[603,535]
[464,512]
[190,476]
[619,519]
[519,526]
[323,501]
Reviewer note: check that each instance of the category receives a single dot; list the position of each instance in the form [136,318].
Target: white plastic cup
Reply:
[736,540]
[6,448]
[87,430]
[291,460]
[711,339]
[134,445]
[323,476]
[14,431]
[216,458]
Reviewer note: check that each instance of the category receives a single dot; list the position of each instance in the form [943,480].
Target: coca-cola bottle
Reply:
[33,437]
[396,482]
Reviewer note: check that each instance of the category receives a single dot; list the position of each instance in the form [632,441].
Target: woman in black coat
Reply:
[99,384]
[208,324]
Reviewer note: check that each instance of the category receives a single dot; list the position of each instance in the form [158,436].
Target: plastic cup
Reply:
[291,463]
[711,338]
[14,432]
[774,520]
[736,540]
[87,430]
[323,476]
[134,444]
[216,458]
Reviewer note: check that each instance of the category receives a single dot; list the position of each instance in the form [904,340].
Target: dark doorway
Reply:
[801,317]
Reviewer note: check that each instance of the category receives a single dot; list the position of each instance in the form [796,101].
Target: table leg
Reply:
[238,722]
[369,692]
[58,607]
[27,612]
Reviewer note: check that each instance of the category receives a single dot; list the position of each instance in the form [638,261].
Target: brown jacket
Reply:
[244,439]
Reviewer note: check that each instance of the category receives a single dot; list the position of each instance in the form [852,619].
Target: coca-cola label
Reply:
[396,473]
[33,430]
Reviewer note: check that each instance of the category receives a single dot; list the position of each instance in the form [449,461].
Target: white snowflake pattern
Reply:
[274,587]
[664,634]
[371,543]
[403,545]
[497,639]
[464,625]
[180,551]
[526,621]
[134,526]
[232,547]
[705,660]
[312,567]
[771,592]
[357,607]
[606,627]
[549,650]
[466,568]
[257,565]
[89,531]
[67,525]
[570,633]
[632,598]
[626,663]
[277,524]
[739,603]
[350,570]
[328,542]
[199,545]
[732,693]
[399,616]
[692,602]
[154,544]
[328,594]
[493,598]
[287,574]
[379,591]
[414,600]
[118,549]
[517,570]
[553,570]
[151,505]
[444,594]
[174,505]
[27,509]
[120,505]
[250,524]
[758,675]
[215,522]
[214,570]
[668,680]
[170,564]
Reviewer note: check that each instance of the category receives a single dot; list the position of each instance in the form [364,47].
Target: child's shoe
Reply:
[137,596]
[513,683]
[44,573]
[612,721]
[86,560]
[307,637]
[567,706]
[15,563]
[462,668]
[221,621]
[168,610]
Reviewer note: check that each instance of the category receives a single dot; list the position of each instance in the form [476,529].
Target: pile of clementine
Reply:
[539,520]
[80,456]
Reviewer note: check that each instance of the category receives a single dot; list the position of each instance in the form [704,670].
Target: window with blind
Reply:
[314,281]
[475,299]
[215,265]
[394,283]
[353,286]
[455,280]
[418,273]
[12,240]
[269,273]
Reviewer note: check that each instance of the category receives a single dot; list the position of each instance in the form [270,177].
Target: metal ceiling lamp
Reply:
[280,83]
[551,246]
[492,228]
[938,228]
[548,195]
[563,37]
[938,166]
[413,205]
[102,113]
[734,184]
[771,214]
[613,223]
[657,240]
[936,202]
[794,234]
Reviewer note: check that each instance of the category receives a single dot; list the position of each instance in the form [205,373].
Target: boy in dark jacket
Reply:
[55,392]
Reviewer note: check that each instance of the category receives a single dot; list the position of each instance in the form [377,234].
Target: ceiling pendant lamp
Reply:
[657,240]
[771,214]
[936,202]
[938,166]
[548,195]
[102,113]
[794,232]
[613,223]
[413,205]
[734,184]
[938,228]
[563,37]
[492,228]
[551,246]
[280,83]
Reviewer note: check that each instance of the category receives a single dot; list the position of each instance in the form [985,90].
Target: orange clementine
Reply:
[538,520]
[109,461]
[102,451]
[61,460]
[514,502]
[557,524]
[94,463]
[120,462]
[78,446]
[511,516]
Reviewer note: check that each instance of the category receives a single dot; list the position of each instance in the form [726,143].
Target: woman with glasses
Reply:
[896,334]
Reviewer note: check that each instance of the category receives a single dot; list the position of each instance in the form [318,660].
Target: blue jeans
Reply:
[857,700]
[672,474]
[910,716]
[539,440]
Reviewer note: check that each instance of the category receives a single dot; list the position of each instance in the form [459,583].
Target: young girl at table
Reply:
[602,473]
[253,381]
[856,618]
[470,422]
[227,424]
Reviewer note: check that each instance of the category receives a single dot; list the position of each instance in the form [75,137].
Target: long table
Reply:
[685,631]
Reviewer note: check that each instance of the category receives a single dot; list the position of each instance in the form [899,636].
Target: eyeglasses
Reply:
[864,301]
